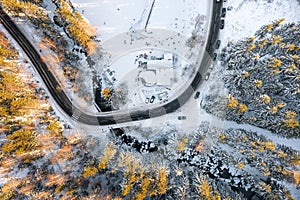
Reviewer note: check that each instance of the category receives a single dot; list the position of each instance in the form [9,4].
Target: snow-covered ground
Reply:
[114,17]
[127,28]
[170,124]
[240,20]
[243,20]
[245,17]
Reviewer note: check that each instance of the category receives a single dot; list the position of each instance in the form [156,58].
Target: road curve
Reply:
[109,118]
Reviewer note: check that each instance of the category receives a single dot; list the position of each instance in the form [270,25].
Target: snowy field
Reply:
[247,16]
[118,16]
[243,17]
[242,20]
[114,17]
[126,28]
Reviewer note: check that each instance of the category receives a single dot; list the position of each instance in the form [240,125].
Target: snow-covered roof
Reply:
[168,56]
[164,76]
[167,61]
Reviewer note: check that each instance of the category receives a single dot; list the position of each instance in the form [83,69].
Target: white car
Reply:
[207,76]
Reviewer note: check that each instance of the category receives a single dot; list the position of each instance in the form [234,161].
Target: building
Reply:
[158,71]
[166,61]
[164,76]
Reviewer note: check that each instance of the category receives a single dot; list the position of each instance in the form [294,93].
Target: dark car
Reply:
[181,117]
[218,43]
[197,95]
[222,24]
[214,57]
[152,99]
[223,12]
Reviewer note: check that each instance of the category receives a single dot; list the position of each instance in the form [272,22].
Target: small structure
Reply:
[148,78]
[166,61]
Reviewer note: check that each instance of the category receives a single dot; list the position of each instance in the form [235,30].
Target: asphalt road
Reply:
[114,117]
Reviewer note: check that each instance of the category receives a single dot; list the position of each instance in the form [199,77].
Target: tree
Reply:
[162,181]
[89,171]
[181,144]
[296,175]
[106,92]
[205,191]
[145,184]
[275,62]
[265,99]
[78,27]
[276,39]
[258,83]
[55,127]
[290,119]
[109,152]
[268,63]
[242,108]
[232,102]
[31,10]
[291,123]
[20,141]
[251,47]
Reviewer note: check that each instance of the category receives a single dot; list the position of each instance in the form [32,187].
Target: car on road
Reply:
[214,57]
[207,76]
[197,95]
[218,43]
[181,117]
[223,12]
[222,24]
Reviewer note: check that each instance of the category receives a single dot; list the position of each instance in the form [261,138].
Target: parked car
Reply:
[181,117]
[214,57]
[207,76]
[218,43]
[152,99]
[222,24]
[197,95]
[223,12]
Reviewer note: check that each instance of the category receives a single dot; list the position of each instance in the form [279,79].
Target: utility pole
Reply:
[153,2]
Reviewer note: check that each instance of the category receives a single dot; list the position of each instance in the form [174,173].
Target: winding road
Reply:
[119,116]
